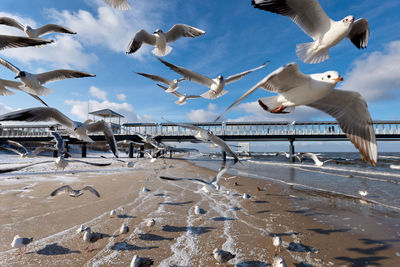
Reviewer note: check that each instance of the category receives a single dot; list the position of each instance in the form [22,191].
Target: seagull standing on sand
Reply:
[150,223]
[222,256]
[124,229]
[277,242]
[35,33]
[118,4]
[8,41]
[79,129]
[172,84]
[197,210]
[216,85]
[326,33]
[141,262]
[113,213]
[181,98]
[33,83]
[317,91]
[278,262]
[20,242]
[246,196]
[73,192]
[160,40]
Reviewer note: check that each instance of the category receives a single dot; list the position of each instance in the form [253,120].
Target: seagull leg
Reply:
[279,109]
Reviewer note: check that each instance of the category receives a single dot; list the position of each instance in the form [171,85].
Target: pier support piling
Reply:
[55,153]
[84,150]
[130,150]
[291,151]
[141,152]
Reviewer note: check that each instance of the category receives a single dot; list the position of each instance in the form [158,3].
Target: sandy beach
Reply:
[180,237]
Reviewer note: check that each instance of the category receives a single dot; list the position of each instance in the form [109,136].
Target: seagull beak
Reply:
[338,79]
[17,76]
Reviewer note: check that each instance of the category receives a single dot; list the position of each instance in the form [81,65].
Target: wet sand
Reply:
[180,237]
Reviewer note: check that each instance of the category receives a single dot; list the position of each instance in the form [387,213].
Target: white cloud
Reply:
[5,109]
[65,52]
[110,28]
[201,115]
[121,97]
[98,93]
[376,76]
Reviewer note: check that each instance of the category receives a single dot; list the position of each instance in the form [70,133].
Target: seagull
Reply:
[222,256]
[141,262]
[246,196]
[208,136]
[4,84]
[278,262]
[317,91]
[124,229]
[79,129]
[197,210]
[172,84]
[33,83]
[20,242]
[113,213]
[35,33]
[326,33]
[8,41]
[26,152]
[208,186]
[150,223]
[277,242]
[160,40]
[181,98]
[118,4]
[287,155]
[314,158]
[363,193]
[81,229]
[59,145]
[73,192]
[62,163]
[216,85]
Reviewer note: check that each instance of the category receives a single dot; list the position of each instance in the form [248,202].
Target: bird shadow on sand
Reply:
[222,219]
[303,264]
[125,216]
[363,261]
[298,247]
[55,249]
[176,203]
[152,237]
[328,231]
[284,234]
[236,208]
[263,211]
[192,229]
[307,212]
[261,201]
[161,195]
[122,246]
[252,264]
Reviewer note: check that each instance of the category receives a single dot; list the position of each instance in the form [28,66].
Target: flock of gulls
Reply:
[293,88]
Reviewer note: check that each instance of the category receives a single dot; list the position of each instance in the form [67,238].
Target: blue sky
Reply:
[238,37]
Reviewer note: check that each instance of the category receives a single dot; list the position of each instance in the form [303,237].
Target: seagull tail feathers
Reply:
[180,103]
[308,54]
[159,53]
[269,103]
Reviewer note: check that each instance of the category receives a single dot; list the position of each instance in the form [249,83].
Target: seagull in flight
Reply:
[26,152]
[35,33]
[216,85]
[181,98]
[161,39]
[73,192]
[314,157]
[326,33]
[118,4]
[4,91]
[8,41]
[33,83]
[208,136]
[317,91]
[79,129]
[172,84]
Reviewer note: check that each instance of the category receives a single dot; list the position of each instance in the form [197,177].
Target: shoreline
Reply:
[180,237]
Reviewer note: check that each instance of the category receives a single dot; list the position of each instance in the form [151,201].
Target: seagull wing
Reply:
[351,112]
[91,189]
[12,169]
[281,80]
[38,114]
[182,30]
[59,142]
[10,84]
[156,78]
[9,66]
[140,37]
[223,145]
[7,41]
[118,4]
[307,14]
[38,99]
[102,126]
[50,28]
[64,188]
[90,163]
[11,22]
[236,77]
[61,74]
[14,143]
[359,33]
[13,150]
[189,75]
[192,96]
[43,148]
